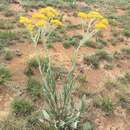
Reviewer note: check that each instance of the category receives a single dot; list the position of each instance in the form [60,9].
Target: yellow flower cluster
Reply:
[41,18]
[25,20]
[102,24]
[56,22]
[100,21]
[49,12]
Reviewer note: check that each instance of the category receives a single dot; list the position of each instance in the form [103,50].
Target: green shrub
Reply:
[126,51]
[8,54]
[34,87]
[101,43]
[108,66]
[66,45]
[71,41]
[105,103]
[22,107]
[5,74]
[95,59]
[87,126]
[117,55]
[7,37]
[11,123]
[3,5]
[103,55]
[91,43]
[126,33]
[33,63]
[4,24]
[9,13]
[82,79]
[59,72]
[54,37]
[124,100]
[110,84]
[125,79]
[92,60]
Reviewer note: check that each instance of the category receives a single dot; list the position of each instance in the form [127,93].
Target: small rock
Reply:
[18,53]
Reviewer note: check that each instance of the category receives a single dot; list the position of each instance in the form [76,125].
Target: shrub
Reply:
[5,74]
[101,43]
[33,63]
[34,87]
[7,37]
[22,107]
[95,59]
[105,103]
[117,55]
[87,126]
[103,55]
[125,79]
[124,100]
[8,54]
[54,37]
[92,60]
[82,79]
[11,123]
[59,72]
[71,41]
[91,43]
[126,33]
[108,66]
[9,13]
[3,5]
[66,45]
[126,51]
[110,84]
[6,25]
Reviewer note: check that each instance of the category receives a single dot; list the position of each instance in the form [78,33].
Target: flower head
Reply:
[40,23]
[105,21]
[25,20]
[56,22]
[83,15]
[94,14]
[54,11]
[39,16]
[49,12]
[102,24]
[30,27]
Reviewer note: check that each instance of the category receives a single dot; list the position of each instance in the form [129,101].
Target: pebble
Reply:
[18,53]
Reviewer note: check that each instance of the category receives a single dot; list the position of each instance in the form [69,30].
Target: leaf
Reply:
[74,124]
[46,115]
[62,123]
[87,126]
[82,104]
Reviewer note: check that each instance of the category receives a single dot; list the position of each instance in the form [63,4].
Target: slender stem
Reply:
[89,25]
